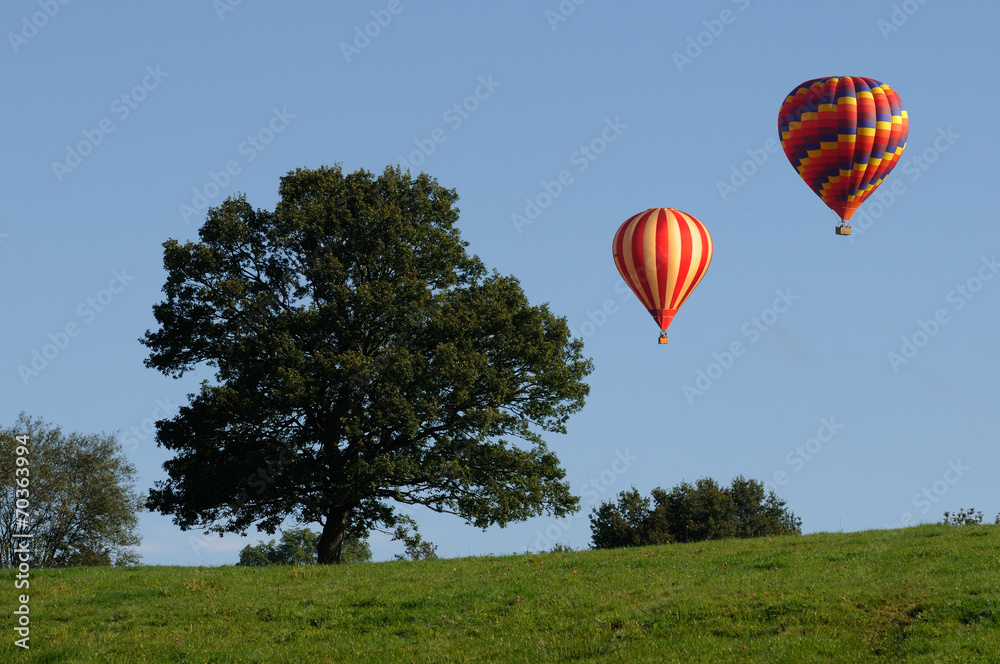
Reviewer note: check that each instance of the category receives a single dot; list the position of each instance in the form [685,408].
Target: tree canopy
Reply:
[81,504]
[362,358]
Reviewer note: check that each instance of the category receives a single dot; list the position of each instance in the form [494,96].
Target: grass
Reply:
[924,594]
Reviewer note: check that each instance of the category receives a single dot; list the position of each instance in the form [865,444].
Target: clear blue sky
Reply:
[165,96]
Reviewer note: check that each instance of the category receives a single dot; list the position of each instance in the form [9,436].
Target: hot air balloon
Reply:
[843,134]
[662,254]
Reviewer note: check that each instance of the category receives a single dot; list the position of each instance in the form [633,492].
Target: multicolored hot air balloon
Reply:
[843,134]
[662,254]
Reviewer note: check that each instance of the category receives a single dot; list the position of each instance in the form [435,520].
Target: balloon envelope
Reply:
[662,254]
[843,134]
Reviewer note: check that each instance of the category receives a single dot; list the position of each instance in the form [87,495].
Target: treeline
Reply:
[692,513]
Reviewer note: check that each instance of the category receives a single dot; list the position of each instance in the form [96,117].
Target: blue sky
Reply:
[124,120]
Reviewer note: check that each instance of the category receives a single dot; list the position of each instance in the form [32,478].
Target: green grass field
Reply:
[924,594]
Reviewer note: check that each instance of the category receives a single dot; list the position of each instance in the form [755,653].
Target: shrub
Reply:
[968,517]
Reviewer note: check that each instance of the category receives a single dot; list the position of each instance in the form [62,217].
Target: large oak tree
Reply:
[362,359]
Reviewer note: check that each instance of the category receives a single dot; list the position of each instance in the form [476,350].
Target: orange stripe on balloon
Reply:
[651,230]
[623,255]
[644,222]
[682,269]
[704,257]
[663,246]
[633,259]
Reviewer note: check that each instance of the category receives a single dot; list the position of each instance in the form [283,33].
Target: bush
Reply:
[690,513]
[968,517]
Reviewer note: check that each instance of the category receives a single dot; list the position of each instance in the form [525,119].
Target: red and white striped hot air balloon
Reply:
[662,254]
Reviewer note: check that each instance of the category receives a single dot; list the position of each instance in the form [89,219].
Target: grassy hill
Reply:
[924,594]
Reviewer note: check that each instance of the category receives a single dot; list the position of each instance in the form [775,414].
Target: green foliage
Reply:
[416,548]
[355,550]
[626,523]
[298,547]
[362,359]
[260,555]
[921,594]
[689,513]
[82,504]
[968,517]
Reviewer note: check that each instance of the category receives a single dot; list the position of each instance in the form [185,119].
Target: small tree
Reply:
[756,514]
[80,491]
[355,550]
[260,555]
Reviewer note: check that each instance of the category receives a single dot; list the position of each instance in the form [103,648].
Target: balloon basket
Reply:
[663,338]
[842,230]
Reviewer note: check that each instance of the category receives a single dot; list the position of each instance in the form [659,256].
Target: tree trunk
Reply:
[330,541]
